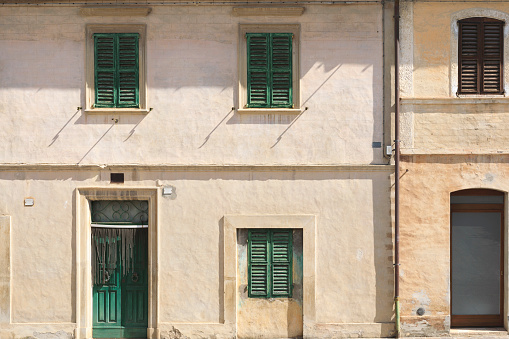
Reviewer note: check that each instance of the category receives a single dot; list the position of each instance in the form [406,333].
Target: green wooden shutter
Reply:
[258,70]
[281,250]
[258,263]
[105,74]
[281,70]
[127,71]
[269,70]
[116,70]
[270,263]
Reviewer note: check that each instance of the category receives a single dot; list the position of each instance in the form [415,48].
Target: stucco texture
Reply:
[353,243]
[192,86]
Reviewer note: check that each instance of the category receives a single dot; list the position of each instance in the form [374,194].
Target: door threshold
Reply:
[478,331]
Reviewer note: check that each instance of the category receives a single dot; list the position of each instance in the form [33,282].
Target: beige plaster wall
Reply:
[425,231]
[353,245]
[192,86]
[455,126]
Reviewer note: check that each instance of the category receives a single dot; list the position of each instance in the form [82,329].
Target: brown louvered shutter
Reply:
[493,34]
[480,56]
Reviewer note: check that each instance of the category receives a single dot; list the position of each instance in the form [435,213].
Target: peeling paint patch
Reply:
[360,254]
[421,297]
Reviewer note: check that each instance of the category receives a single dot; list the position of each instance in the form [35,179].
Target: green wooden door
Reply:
[120,290]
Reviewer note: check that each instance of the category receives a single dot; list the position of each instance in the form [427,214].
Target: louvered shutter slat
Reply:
[259,282]
[281,68]
[281,280]
[469,36]
[257,70]
[105,81]
[128,70]
[469,76]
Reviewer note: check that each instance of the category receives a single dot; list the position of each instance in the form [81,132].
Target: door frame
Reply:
[487,320]
[83,292]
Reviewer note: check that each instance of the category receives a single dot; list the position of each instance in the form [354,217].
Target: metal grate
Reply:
[117,213]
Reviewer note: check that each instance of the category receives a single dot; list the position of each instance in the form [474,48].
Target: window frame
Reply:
[454,49]
[269,263]
[243,70]
[480,58]
[140,29]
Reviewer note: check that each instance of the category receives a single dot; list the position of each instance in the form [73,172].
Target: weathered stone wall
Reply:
[449,143]
[426,185]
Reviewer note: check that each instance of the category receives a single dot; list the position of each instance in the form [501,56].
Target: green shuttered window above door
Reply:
[270,263]
[116,69]
[269,70]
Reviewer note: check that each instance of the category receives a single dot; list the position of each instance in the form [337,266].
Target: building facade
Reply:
[175,169]
[454,185]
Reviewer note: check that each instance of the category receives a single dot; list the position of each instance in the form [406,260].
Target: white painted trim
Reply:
[471,13]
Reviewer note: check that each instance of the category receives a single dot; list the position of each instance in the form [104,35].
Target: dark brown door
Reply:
[477,258]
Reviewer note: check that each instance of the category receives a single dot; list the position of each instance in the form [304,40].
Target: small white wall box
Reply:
[388,151]
[168,190]
[29,201]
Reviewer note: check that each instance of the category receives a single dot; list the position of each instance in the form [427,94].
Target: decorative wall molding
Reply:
[199,168]
[115,11]
[268,11]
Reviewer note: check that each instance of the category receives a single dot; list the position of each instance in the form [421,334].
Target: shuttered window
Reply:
[269,70]
[481,56]
[116,69]
[270,263]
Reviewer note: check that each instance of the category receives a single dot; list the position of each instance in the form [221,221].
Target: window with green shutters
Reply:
[269,70]
[270,263]
[116,69]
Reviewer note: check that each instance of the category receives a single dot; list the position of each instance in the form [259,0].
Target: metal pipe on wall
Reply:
[396,163]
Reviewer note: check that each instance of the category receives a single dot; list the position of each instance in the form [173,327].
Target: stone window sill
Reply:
[117,110]
[269,111]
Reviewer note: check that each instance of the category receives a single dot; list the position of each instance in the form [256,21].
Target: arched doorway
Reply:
[477,244]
